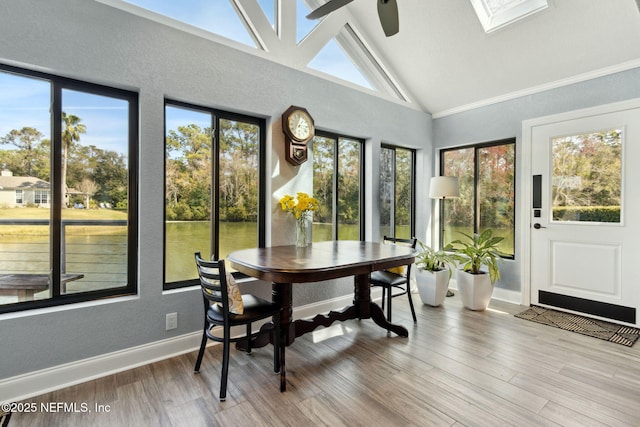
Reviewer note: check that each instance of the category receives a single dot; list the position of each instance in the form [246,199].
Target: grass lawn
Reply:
[23,232]
[41,213]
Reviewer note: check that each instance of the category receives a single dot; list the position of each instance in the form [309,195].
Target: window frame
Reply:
[476,202]
[216,116]
[336,137]
[56,198]
[412,207]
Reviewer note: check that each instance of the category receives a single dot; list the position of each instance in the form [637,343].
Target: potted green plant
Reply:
[477,253]
[433,271]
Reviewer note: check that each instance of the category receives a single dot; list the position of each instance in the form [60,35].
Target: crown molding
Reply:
[541,88]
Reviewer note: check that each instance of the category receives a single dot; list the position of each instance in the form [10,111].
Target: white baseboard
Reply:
[57,377]
[507,295]
[35,383]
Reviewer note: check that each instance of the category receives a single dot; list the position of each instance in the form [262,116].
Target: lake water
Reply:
[185,238]
[100,253]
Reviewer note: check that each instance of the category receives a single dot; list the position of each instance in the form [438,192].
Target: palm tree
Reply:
[70,134]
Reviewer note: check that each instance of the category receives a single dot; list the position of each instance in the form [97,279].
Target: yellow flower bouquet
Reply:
[301,207]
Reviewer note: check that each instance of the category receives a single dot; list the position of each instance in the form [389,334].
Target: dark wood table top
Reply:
[319,261]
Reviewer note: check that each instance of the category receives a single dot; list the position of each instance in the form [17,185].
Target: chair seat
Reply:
[255,308]
[218,294]
[385,278]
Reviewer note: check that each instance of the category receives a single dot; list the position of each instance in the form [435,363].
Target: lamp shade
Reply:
[444,186]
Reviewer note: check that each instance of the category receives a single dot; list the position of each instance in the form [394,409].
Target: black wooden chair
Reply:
[213,281]
[389,280]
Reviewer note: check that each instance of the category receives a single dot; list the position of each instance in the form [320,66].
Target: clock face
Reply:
[300,125]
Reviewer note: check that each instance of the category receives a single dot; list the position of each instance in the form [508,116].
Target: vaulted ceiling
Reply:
[445,61]
[442,60]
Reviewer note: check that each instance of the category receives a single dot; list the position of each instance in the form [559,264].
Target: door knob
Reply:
[538,226]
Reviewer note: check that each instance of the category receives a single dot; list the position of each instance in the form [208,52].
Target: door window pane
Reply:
[587,177]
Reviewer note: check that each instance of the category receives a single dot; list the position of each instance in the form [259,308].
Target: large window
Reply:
[397,192]
[69,149]
[486,175]
[338,187]
[214,190]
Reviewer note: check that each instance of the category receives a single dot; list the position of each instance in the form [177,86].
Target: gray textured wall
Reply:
[97,43]
[504,120]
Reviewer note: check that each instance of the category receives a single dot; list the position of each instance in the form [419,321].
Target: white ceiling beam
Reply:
[286,11]
[257,24]
[327,29]
[369,63]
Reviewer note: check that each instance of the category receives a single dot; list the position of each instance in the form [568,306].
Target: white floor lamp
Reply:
[440,188]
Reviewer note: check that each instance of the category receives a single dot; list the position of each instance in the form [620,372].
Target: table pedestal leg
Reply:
[362,308]
[367,309]
[282,294]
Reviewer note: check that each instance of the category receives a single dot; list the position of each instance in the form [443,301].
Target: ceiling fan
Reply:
[387,12]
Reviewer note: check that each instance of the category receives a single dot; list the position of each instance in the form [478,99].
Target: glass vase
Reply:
[303,236]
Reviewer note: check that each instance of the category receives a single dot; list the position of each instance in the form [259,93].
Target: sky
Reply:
[24,102]
[220,17]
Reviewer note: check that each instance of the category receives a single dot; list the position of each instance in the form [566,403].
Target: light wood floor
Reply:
[457,367]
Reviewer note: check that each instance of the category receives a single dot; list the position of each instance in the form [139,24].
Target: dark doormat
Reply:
[607,331]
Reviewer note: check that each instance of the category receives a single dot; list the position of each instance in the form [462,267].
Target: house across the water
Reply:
[22,191]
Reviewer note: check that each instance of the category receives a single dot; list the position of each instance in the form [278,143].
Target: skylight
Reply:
[496,14]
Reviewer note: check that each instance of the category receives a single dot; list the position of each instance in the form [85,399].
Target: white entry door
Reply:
[585,213]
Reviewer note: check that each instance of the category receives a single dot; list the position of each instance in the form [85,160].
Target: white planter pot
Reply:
[475,290]
[432,286]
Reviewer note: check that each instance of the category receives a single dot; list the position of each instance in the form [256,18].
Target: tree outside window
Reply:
[337,186]
[68,151]
[486,174]
[213,187]
[397,192]
[587,177]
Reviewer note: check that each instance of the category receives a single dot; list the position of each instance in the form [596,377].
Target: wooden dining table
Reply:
[318,262]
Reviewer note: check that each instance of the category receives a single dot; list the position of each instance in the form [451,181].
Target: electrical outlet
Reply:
[172,321]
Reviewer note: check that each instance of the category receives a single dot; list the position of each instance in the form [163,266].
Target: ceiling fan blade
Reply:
[327,8]
[388,13]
